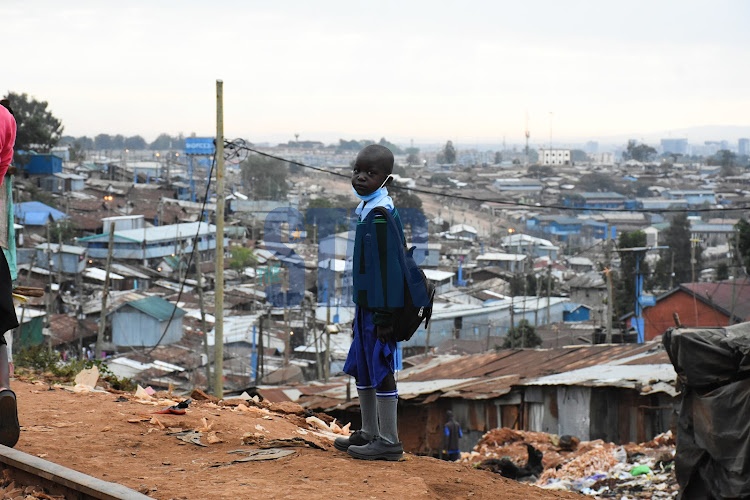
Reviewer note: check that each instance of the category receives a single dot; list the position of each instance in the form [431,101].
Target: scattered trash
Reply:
[260,440]
[178,409]
[141,393]
[193,437]
[507,468]
[212,438]
[206,427]
[639,470]
[86,379]
[253,455]
[594,468]
[332,427]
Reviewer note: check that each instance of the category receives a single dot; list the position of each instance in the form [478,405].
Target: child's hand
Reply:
[384,333]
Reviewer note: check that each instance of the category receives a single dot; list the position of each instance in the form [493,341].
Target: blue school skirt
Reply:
[369,360]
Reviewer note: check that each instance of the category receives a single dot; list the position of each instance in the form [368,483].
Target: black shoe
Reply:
[378,450]
[9,428]
[357,438]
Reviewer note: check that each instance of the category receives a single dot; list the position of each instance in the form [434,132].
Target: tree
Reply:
[242,257]
[522,335]
[161,143]
[64,230]
[523,285]
[439,180]
[135,142]
[402,198]
[412,156]
[448,154]
[394,149]
[38,129]
[539,171]
[103,142]
[727,160]
[675,265]
[722,271]
[624,281]
[118,142]
[638,152]
[352,145]
[77,152]
[578,155]
[741,241]
[596,181]
[265,177]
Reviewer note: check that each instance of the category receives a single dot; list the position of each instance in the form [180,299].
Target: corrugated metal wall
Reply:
[131,327]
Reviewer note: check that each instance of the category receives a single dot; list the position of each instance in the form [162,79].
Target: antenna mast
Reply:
[527,133]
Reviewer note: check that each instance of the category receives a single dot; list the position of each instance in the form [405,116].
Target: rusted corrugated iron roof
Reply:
[527,363]
[492,375]
[483,388]
[645,378]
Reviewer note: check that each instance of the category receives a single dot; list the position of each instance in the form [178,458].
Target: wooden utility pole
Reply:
[610,295]
[48,302]
[105,293]
[219,297]
[549,290]
[204,327]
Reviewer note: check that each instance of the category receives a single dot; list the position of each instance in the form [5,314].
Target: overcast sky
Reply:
[468,71]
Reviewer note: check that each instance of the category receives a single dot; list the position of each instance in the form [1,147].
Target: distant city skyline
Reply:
[427,71]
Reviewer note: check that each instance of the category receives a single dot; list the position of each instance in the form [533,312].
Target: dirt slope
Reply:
[115,437]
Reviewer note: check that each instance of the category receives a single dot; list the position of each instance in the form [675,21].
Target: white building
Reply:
[554,156]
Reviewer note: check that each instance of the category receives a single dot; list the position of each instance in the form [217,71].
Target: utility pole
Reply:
[610,295]
[693,243]
[639,253]
[105,292]
[201,304]
[549,290]
[49,295]
[219,297]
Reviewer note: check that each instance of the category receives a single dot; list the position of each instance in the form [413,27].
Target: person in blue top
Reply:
[451,434]
[378,290]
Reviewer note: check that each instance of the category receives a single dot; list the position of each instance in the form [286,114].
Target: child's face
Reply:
[367,178]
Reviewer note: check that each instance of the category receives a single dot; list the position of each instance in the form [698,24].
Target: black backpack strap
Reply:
[391,221]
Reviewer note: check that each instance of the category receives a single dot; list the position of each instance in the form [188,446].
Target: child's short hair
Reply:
[375,154]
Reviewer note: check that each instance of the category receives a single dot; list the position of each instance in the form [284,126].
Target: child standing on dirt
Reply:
[371,356]
[9,427]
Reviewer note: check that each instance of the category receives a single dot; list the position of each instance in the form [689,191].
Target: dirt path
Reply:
[115,437]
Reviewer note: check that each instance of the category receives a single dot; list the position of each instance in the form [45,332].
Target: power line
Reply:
[190,259]
[238,146]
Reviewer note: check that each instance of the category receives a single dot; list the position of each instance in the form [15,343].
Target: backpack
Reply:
[418,292]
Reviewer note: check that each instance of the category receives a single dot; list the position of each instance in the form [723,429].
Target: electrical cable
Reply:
[238,149]
[240,145]
[190,259]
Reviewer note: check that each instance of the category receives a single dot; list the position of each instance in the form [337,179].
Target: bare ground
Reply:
[118,438]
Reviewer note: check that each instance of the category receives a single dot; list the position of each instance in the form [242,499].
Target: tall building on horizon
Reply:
[743,146]
[674,146]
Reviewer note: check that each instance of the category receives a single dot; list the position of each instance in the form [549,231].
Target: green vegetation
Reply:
[40,358]
[624,281]
[242,257]
[674,266]
[522,335]
[37,128]
[447,154]
[265,177]
[638,152]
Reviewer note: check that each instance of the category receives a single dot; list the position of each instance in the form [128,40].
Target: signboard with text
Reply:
[200,146]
